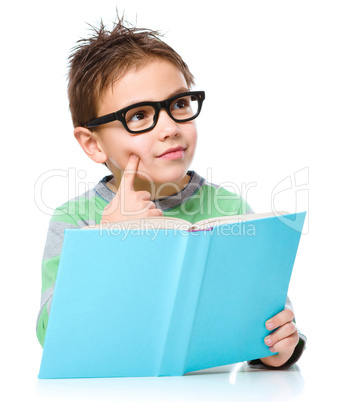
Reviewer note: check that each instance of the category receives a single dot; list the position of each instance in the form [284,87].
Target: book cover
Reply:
[167,302]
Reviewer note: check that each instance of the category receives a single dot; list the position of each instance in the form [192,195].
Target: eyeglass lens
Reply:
[141,118]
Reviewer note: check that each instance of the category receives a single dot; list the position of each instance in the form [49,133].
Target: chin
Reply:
[172,176]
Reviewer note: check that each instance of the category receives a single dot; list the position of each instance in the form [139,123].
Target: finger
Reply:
[155,212]
[282,318]
[284,331]
[144,195]
[146,206]
[286,345]
[151,205]
[130,173]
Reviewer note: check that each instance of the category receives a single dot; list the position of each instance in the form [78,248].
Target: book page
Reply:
[154,222]
[160,222]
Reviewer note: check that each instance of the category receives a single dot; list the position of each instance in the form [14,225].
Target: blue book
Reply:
[163,301]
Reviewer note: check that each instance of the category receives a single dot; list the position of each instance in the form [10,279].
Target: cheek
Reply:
[195,138]
[192,136]
[122,151]
[141,146]
[119,154]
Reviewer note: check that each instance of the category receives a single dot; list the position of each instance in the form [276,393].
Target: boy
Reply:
[133,110]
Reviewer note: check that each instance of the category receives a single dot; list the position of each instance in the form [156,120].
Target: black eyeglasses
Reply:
[142,117]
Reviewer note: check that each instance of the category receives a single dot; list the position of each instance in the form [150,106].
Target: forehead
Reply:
[153,81]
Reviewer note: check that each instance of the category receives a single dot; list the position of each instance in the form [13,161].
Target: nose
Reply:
[166,126]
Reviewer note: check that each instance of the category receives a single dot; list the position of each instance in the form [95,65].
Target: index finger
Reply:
[279,319]
[130,172]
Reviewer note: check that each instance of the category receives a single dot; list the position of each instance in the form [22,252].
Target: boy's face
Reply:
[155,81]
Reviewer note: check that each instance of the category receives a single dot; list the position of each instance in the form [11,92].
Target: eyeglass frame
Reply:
[119,115]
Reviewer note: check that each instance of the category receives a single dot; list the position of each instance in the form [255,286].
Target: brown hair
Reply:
[105,57]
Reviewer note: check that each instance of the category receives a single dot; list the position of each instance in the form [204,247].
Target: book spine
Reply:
[173,359]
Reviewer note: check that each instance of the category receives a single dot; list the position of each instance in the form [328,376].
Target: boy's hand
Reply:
[128,203]
[283,340]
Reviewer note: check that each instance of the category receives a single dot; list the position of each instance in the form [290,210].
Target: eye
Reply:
[180,103]
[137,116]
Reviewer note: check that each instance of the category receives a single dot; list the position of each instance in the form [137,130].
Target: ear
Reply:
[90,144]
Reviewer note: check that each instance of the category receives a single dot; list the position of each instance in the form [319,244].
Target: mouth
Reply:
[173,153]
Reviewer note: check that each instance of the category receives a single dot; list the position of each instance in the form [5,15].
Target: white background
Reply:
[271,121]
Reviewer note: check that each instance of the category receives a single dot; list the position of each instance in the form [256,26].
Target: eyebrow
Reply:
[178,91]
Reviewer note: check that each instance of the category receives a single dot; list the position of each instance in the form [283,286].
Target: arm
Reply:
[59,222]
